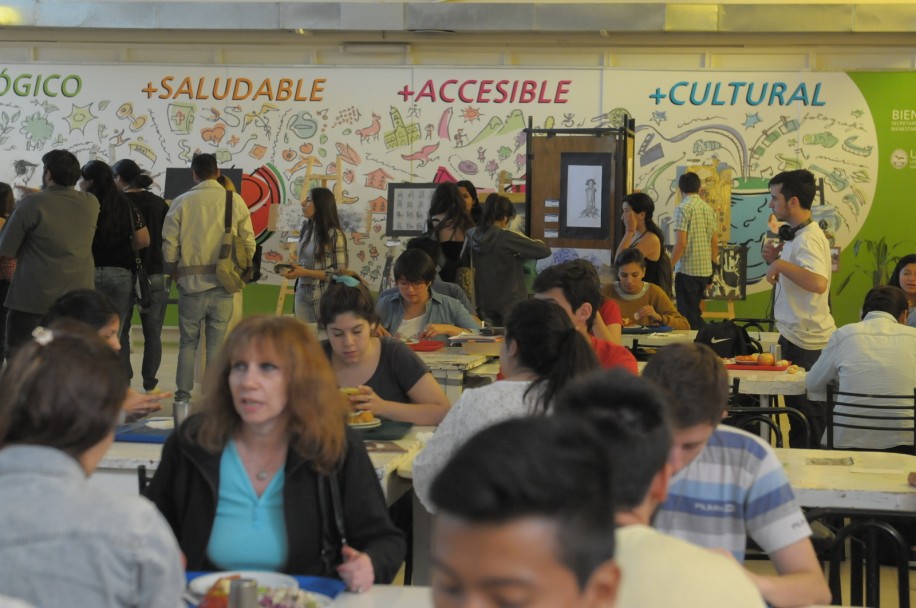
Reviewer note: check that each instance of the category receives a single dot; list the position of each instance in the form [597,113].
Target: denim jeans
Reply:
[689,292]
[212,307]
[814,411]
[151,318]
[118,284]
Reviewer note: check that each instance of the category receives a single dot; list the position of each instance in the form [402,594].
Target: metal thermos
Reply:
[776,351]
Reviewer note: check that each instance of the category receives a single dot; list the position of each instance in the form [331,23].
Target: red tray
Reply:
[425,346]
[757,368]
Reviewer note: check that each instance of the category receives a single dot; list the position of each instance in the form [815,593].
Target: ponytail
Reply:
[549,345]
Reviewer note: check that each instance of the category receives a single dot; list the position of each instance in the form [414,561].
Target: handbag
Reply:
[333,538]
[234,267]
[465,274]
[142,286]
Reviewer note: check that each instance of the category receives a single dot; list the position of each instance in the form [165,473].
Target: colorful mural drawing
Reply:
[427,125]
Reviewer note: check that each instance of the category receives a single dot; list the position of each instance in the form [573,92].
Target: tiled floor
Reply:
[167,383]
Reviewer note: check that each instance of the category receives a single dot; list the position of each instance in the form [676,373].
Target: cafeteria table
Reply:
[449,366]
[387,596]
[766,338]
[858,485]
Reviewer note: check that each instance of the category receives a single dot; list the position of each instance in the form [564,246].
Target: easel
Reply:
[729,313]
[322,180]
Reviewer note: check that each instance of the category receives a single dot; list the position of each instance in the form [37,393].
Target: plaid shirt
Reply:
[335,258]
[698,219]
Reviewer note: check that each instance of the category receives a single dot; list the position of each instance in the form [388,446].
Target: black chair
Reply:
[641,353]
[879,407]
[862,533]
[744,412]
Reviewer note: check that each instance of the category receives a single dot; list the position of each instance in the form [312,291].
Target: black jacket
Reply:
[185,489]
[497,254]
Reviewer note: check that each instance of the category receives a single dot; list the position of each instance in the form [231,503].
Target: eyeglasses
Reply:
[404,284]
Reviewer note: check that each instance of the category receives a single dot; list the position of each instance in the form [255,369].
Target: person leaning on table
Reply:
[62,541]
[246,484]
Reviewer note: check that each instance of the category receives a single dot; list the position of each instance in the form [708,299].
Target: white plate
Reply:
[162,423]
[201,584]
[365,425]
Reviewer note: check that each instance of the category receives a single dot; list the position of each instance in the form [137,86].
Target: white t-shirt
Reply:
[475,410]
[657,570]
[803,317]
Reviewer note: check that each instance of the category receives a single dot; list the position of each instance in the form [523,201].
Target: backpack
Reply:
[234,268]
[728,339]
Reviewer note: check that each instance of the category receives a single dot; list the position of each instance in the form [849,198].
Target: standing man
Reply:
[191,239]
[695,248]
[799,268]
[50,234]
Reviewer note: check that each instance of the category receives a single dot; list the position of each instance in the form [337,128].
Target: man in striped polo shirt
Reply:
[729,484]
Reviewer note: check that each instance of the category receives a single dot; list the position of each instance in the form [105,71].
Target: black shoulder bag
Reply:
[142,285]
[333,538]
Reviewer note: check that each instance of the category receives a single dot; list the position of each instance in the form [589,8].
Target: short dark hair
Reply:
[695,381]
[631,416]
[631,255]
[689,183]
[536,467]
[340,299]
[63,390]
[415,266]
[579,281]
[799,183]
[204,166]
[88,306]
[885,298]
[424,243]
[63,166]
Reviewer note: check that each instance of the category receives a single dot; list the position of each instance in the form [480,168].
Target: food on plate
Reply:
[747,359]
[792,369]
[766,360]
[287,597]
[218,595]
[782,363]
[362,417]
[350,390]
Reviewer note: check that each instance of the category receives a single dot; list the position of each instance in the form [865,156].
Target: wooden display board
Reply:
[576,180]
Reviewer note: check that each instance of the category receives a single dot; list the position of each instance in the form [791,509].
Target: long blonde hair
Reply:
[317,410]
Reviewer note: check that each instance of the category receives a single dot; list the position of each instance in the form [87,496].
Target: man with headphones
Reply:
[799,269]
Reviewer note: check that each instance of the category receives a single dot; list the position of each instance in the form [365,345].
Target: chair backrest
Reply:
[748,419]
[866,410]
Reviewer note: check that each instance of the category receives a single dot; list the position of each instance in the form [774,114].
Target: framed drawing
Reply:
[585,195]
[408,205]
[729,280]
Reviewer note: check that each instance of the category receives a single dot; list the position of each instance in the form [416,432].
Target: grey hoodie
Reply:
[497,256]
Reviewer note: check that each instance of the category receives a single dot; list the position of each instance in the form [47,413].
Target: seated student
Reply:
[640,303]
[64,541]
[416,311]
[876,356]
[393,382]
[452,290]
[542,351]
[576,288]
[525,518]
[728,484]
[630,416]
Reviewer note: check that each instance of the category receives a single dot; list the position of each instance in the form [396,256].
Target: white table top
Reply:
[873,480]
[387,596]
[449,358]
[755,382]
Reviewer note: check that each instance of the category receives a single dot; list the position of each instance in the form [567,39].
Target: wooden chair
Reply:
[878,407]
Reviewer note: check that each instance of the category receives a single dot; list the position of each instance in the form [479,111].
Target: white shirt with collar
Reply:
[874,356]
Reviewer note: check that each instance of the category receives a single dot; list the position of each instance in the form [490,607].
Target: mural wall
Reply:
[279,125]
